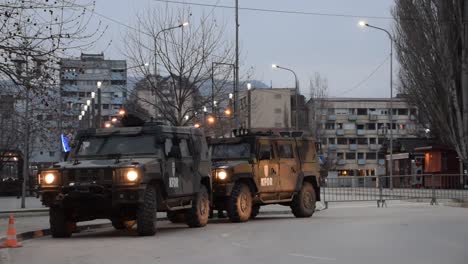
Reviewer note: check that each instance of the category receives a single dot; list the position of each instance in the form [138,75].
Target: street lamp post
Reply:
[156,61]
[93,110]
[365,24]
[99,117]
[249,106]
[296,125]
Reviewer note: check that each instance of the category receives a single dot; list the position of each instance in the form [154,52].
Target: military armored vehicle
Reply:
[255,169]
[130,173]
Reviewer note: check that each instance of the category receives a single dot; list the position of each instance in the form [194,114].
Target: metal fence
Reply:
[399,187]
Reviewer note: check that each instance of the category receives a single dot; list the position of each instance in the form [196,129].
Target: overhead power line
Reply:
[367,78]
[265,10]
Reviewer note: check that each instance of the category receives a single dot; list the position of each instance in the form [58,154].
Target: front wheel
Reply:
[303,203]
[146,213]
[200,211]
[59,226]
[239,204]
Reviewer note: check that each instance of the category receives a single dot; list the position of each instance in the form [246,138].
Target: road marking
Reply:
[312,257]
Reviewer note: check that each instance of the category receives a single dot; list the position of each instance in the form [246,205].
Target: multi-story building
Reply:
[271,108]
[352,130]
[79,78]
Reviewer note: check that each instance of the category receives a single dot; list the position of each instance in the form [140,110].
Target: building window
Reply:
[381,141]
[381,156]
[370,126]
[401,126]
[403,111]
[362,141]
[371,156]
[339,125]
[349,126]
[360,155]
[341,111]
[342,141]
[278,110]
[331,141]
[350,156]
[372,140]
[330,126]
[362,111]
[118,82]
[340,155]
[105,106]
[351,111]
[51,153]
[352,141]
[360,127]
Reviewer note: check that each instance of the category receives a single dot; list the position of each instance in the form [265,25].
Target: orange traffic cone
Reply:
[11,241]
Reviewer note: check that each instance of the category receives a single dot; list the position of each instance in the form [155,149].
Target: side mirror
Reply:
[174,153]
[265,155]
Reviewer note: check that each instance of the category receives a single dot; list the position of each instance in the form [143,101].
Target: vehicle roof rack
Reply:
[292,134]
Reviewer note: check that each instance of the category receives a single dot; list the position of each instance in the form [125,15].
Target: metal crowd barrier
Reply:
[397,187]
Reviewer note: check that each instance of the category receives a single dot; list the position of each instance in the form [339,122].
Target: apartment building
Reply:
[352,131]
[78,79]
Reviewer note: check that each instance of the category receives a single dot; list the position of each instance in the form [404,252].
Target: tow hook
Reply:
[60,197]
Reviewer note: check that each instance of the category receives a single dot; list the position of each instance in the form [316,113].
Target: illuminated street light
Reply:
[107,125]
[249,86]
[211,120]
[186,117]
[362,23]
[114,119]
[85,107]
[227,112]
[80,117]
[82,113]
[93,95]
[122,112]
[231,96]
[197,125]
[99,84]
[274,66]
[205,109]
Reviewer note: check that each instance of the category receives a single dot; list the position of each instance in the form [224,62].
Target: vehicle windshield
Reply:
[115,145]
[230,151]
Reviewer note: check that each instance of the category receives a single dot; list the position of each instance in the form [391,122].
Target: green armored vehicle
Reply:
[251,170]
[130,173]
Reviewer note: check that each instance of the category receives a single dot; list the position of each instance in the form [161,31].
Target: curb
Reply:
[45,232]
[19,211]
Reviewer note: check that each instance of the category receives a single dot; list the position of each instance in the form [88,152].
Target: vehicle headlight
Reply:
[131,175]
[221,174]
[49,178]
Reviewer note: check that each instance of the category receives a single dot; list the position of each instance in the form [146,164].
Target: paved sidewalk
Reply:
[13,203]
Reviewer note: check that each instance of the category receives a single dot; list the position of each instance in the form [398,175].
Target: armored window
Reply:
[265,148]
[285,151]
[184,148]
[167,146]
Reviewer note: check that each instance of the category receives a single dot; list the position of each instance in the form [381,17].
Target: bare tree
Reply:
[318,88]
[190,56]
[431,48]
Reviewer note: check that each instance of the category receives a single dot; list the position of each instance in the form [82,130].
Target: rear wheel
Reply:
[200,211]
[146,213]
[176,217]
[59,226]
[303,204]
[239,204]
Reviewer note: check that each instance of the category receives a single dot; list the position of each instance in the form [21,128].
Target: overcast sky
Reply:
[331,45]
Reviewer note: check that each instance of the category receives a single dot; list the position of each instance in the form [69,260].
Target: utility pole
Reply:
[236,87]
[464,72]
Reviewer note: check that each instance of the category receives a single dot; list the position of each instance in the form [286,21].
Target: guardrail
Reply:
[398,187]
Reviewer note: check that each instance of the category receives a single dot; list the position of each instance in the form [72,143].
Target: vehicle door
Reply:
[267,169]
[288,165]
[185,166]
[172,173]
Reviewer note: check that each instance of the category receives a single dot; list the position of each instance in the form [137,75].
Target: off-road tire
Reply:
[118,224]
[303,203]
[146,213]
[239,204]
[176,217]
[198,215]
[59,226]
[255,211]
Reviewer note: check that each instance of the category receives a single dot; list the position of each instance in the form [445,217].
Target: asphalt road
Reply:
[345,233]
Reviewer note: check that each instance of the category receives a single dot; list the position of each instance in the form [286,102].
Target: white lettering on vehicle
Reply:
[266,181]
[173,182]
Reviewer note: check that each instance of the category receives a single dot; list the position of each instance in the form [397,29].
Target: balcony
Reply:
[332,147]
[331,118]
[352,147]
[341,162]
[361,162]
[373,117]
[340,132]
[352,117]
[381,162]
[374,147]
[360,132]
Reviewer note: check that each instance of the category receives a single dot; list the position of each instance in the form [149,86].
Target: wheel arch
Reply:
[312,179]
